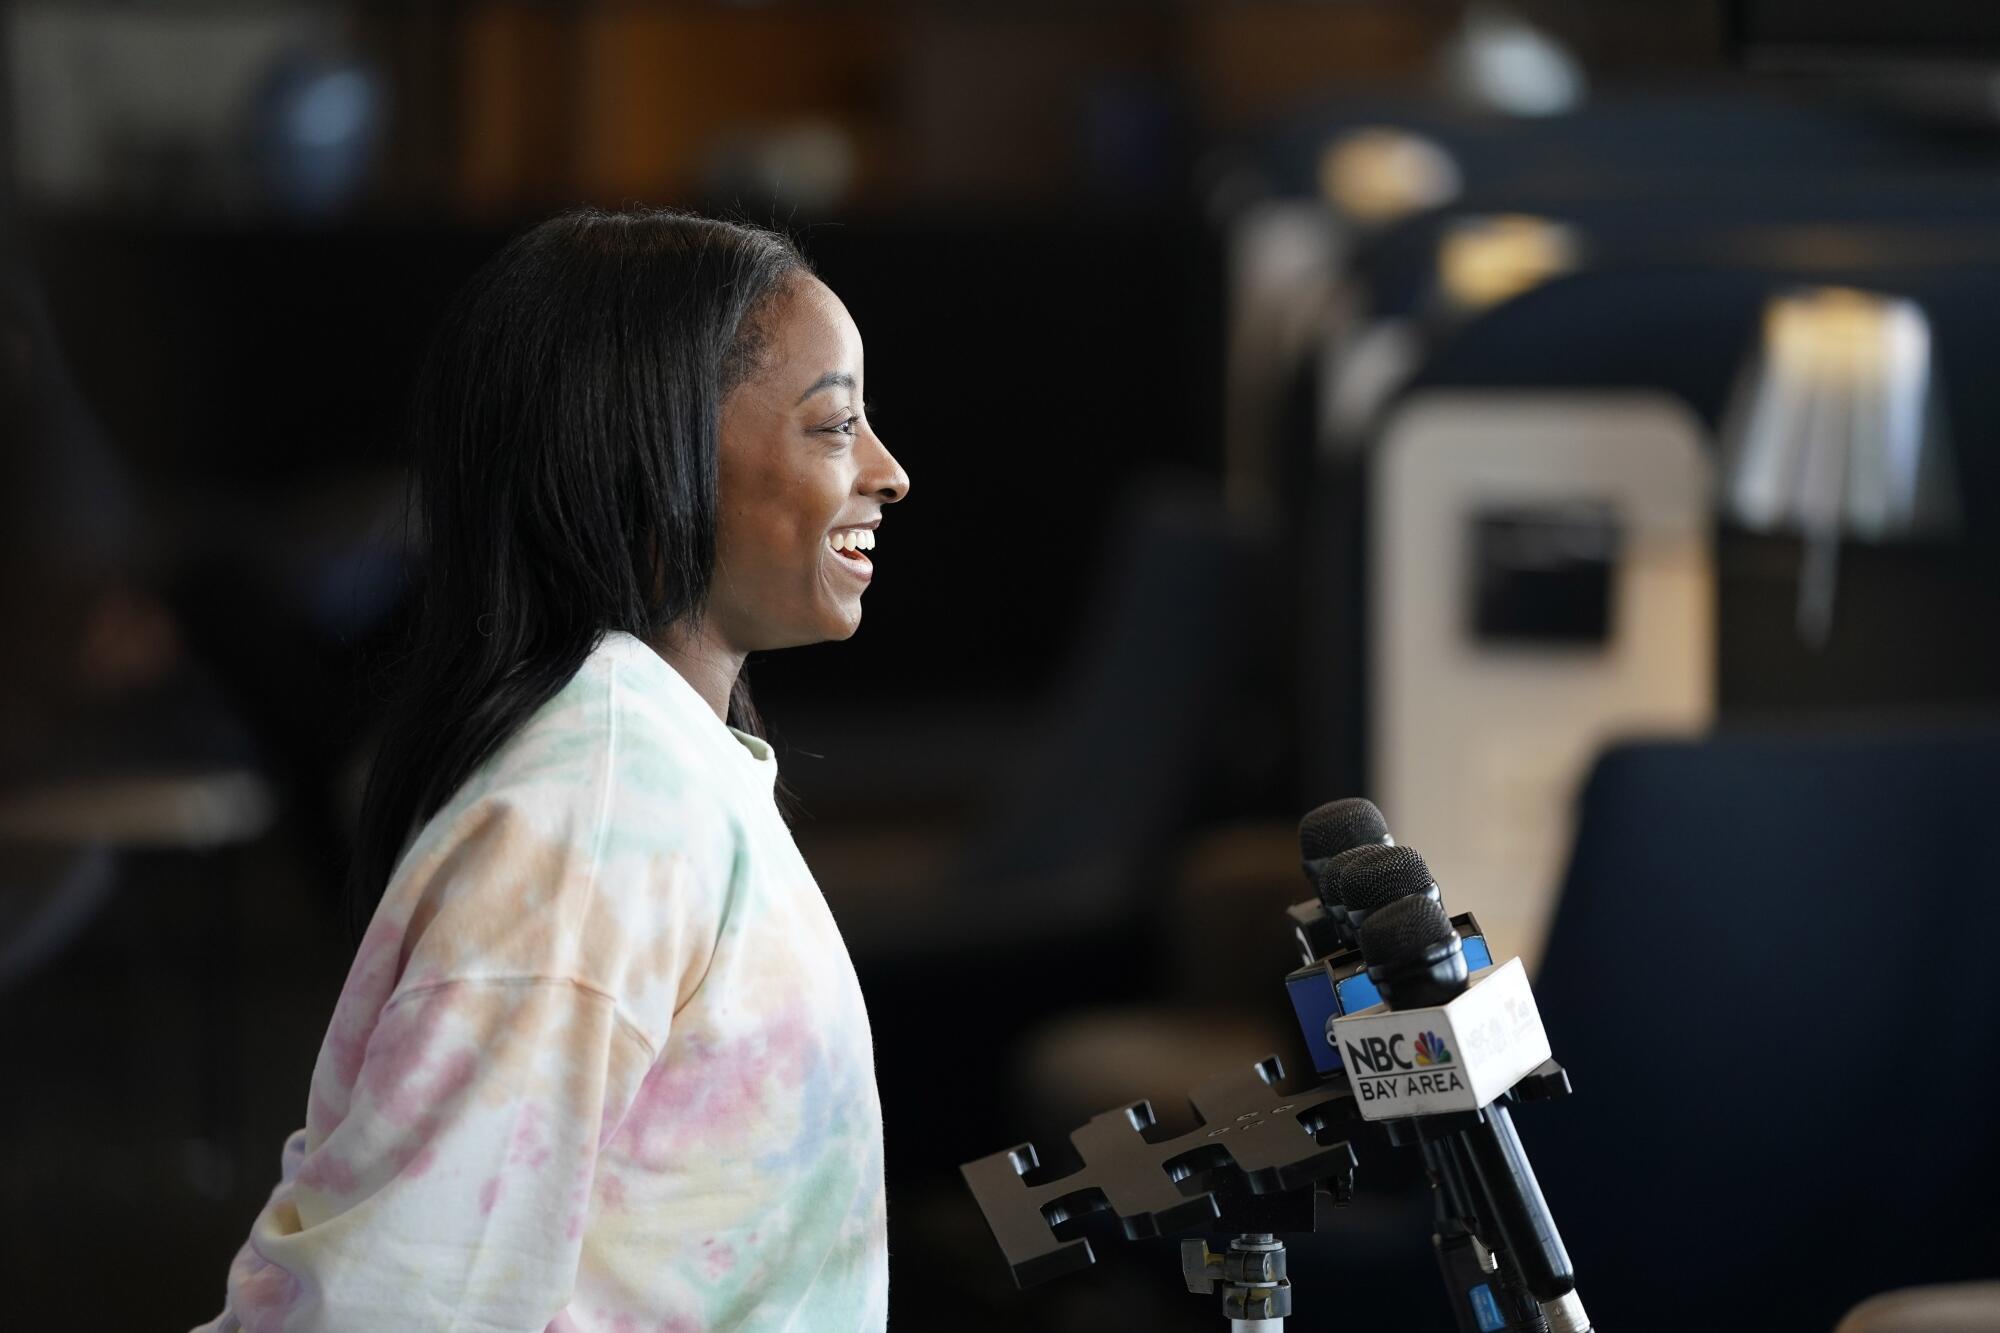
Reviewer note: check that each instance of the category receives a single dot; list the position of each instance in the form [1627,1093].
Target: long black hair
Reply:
[565,428]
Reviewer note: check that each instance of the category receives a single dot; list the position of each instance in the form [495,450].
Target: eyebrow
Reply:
[832,379]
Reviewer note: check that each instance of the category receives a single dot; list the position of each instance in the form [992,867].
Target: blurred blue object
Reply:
[353,591]
[48,895]
[1770,977]
[316,124]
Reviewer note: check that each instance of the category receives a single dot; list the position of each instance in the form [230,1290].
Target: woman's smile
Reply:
[847,544]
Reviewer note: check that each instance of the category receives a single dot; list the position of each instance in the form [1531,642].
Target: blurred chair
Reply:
[1769,978]
[1539,580]
[1657,286]
[1919,621]
[112,740]
[111,734]
[68,848]
[59,842]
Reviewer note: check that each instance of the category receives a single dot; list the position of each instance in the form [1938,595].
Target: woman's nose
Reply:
[886,477]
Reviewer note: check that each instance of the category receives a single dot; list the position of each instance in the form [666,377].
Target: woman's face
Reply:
[799,468]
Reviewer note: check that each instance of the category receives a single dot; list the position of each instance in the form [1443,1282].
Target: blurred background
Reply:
[1571,425]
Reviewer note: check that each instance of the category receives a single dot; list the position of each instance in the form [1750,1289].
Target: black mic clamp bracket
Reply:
[1261,1160]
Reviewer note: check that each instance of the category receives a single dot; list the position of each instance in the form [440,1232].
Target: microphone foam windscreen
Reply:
[1339,825]
[1326,874]
[1331,874]
[1389,873]
[1403,931]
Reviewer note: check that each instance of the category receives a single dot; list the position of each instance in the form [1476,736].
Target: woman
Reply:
[601,1062]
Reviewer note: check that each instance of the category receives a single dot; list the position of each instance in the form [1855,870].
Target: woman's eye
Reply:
[846,427]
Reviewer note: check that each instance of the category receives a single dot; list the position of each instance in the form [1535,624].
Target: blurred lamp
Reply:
[1835,431]
[1484,260]
[1379,174]
[1500,62]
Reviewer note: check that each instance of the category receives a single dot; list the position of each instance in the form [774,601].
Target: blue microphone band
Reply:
[1338,985]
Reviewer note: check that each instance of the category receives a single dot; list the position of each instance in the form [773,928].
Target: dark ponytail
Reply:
[565,428]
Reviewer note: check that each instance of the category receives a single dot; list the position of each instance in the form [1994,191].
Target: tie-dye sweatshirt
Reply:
[601,1064]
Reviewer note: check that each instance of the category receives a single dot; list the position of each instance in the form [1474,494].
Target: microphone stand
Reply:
[1248,1167]
[1256,1296]
[1502,1261]
[1257,1163]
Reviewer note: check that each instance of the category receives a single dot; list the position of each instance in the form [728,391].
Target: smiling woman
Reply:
[601,1061]
[802,475]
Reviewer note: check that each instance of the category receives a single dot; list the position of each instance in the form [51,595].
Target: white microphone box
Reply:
[1450,1057]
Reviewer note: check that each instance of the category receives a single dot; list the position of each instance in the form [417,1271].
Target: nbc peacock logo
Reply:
[1431,1051]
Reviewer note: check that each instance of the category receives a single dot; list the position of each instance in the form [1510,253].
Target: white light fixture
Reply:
[1500,62]
[1836,431]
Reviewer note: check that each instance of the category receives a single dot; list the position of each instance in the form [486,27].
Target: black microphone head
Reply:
[1374,877]
[1329,872]
[1414,956]
[1405,931]
[1339,825]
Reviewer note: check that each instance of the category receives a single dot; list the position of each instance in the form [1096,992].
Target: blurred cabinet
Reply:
[1541,583]
[654,102]
[871,103]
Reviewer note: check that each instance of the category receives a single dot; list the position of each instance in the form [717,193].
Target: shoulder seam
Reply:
[610,772]
[624,1021]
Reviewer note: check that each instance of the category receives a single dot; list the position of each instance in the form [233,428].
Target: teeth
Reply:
[853,539]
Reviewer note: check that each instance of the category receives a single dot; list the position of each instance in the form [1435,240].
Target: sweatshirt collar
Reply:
[754,753]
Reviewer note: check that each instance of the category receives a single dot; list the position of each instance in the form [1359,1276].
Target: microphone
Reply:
[1373,877]
[1493,1038]
[1416,958]
[1325,835]
[1359,875]
[1336,982]
[1340,826]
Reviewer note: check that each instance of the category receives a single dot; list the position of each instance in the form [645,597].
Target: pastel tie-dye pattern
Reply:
[601,1064]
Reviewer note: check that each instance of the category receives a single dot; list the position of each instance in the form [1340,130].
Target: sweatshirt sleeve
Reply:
[453,1195]
[495,1028]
